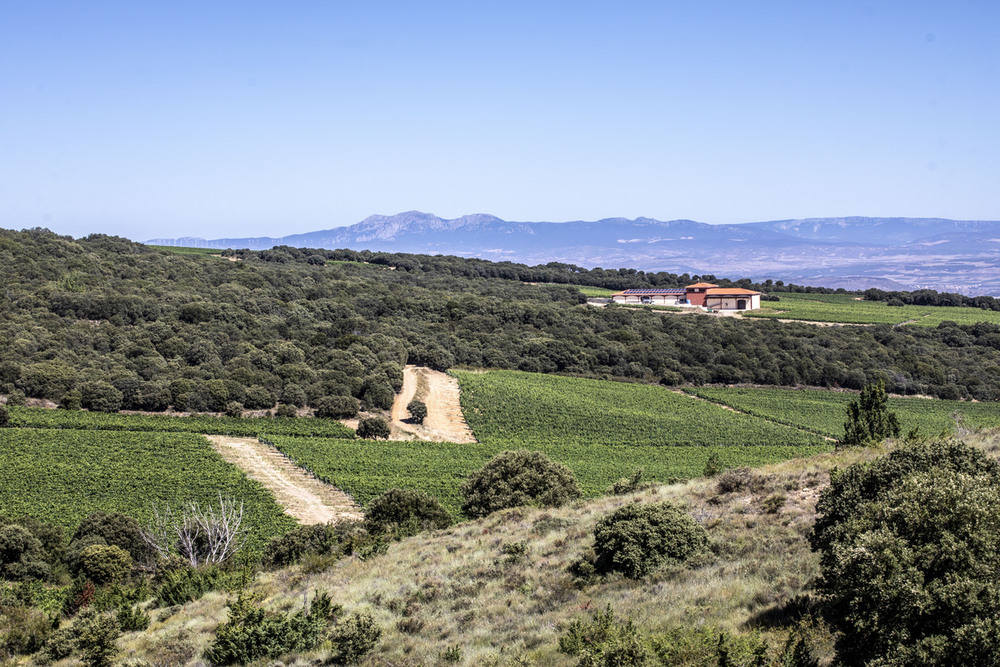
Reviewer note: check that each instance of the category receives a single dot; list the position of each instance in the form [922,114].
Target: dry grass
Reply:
[461,587]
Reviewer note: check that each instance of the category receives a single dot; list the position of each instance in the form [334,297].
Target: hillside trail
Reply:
[305,498]
[440,392]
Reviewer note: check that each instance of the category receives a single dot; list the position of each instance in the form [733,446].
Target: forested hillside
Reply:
[115,324]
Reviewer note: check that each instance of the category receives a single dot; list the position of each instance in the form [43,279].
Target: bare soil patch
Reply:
[307,499]
[440,392]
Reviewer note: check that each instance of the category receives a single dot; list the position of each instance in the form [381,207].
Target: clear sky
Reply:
[248,118]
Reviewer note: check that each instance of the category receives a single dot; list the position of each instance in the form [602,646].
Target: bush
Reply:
[637,539]
[187,584]
[629,484]
[116,530]
[353,638]
[407,512]
[916,533]
[286,410]
[377,394]
[869,418]
[258,398]
[515,478]
[16,399]
[23,630]
[251,633]
[337,407]
[96,638]
[21,554]
[100,396]
[739,479]
[234,409]
[289,548]
[4,416]
[417,410]
[105,564]
[606,641]
[71,400]
[374,428]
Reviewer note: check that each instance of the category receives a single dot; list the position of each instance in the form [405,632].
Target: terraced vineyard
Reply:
[517,409]
[823,411]
[63,475]
[251,427]
[846,309]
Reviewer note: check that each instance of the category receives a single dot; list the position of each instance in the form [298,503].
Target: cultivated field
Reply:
[824,411]
[63,475]
[846,309]
[246,427]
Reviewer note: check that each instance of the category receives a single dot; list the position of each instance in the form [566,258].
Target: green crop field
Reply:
[63,475]
[513,408]
[250,427]
[824,411]
[846,309]
[596,292]
[367,469]
[602,430]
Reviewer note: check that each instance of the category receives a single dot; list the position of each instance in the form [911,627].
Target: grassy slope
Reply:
[63,475]
[823,411]
[846,309]
[455,586]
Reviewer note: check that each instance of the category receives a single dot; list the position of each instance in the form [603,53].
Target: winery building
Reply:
[704,295]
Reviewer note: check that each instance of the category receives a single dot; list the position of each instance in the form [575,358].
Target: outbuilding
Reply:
[705,295]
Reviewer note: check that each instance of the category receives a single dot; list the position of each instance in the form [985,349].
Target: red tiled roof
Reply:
[730,291]
[701,285]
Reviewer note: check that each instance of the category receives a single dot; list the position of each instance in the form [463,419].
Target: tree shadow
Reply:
[784,614]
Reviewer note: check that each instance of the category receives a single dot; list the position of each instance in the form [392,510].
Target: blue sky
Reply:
[268,118]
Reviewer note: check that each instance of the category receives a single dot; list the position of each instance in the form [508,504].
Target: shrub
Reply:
[417,410]
[132,619]
[604,640]
[374,428]
[713,466]
[286,410]
[105,564]
[116,530]
[515,478]
[4,416]
[187,584]
[16,399]
[289,548]
[21,554]
[739,479]
[337,407]
[234,409]
[258,398]
[637,539]
[869,418]
[251,633]
[293,394]
[23,630]
[96,638]
[629,484]
[353,638]
[377,394]
[406,511]
[71,400]
[917,533]
[100,396]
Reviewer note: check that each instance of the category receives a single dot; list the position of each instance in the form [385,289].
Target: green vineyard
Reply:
[249,427]
[62,475]
[367,469]
[516,409]
[822,411]
[847,309]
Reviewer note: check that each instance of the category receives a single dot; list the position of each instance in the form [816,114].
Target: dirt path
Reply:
[439,391]
[304,497]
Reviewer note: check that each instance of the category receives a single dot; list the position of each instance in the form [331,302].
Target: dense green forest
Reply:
[106,323]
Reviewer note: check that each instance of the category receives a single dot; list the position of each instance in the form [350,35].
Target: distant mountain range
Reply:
[855,252]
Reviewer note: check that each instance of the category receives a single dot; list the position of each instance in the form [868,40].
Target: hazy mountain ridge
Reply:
[948,255]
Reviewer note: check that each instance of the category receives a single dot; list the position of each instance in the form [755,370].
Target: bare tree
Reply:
[202,535]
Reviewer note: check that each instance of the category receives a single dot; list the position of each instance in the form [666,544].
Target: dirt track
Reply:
[439,391]
[304,497]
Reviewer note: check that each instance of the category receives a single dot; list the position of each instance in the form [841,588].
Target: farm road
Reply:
[304,497]
[440,392]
